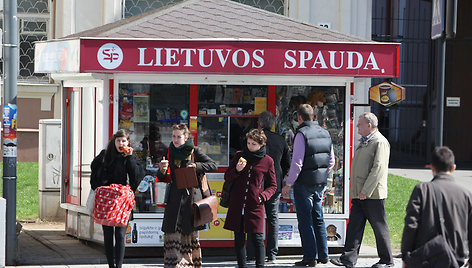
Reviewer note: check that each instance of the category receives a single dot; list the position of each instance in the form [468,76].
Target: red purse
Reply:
[113,205]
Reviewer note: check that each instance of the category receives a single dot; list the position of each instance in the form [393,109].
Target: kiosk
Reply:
[125,75]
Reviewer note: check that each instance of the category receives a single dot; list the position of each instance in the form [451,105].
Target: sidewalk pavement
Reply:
[463,177]
[47,245]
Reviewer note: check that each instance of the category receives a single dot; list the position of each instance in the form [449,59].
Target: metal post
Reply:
[441,80]
[10,68]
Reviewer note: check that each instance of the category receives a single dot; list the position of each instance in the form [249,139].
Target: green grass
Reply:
[399,191]
[27,193]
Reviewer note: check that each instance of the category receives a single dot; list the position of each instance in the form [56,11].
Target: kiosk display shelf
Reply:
[221,133]
[328,104]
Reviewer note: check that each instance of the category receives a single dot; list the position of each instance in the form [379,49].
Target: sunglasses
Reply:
[179,126]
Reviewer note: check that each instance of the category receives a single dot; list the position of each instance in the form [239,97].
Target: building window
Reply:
[33,26]
[136,7]
[33,6]
[276,6]
[31,30]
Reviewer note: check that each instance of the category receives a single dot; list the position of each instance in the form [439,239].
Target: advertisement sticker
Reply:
[9,128]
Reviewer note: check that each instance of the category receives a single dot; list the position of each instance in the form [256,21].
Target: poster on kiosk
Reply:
[218,88]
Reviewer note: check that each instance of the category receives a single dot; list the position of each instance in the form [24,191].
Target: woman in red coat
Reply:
[250,170]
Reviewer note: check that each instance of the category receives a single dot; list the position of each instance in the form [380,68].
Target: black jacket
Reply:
[277,148]
[117,172]
[179,203]
[422,222]
[317,154]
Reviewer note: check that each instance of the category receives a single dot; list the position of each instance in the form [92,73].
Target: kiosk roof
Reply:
[215,19]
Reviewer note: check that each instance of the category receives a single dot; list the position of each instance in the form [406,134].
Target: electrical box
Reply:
[50,149]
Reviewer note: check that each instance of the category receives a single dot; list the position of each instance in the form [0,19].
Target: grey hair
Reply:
[371,119]
[266,120]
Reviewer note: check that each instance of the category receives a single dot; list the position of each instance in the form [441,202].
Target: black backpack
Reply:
[98,177]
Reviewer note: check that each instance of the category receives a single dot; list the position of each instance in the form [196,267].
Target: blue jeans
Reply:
[311,225]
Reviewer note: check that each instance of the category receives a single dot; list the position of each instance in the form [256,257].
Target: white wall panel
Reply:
[347,16]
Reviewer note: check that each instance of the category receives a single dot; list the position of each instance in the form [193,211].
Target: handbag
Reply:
[206,209]
[113,205]
[186,177]
[436,253]
[225,193]
[90,202]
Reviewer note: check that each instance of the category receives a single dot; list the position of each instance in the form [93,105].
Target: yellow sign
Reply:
[193,123]
[387,94]
[216,230]
[260,104]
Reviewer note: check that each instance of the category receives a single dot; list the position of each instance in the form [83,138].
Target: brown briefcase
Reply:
[186,177]
[205,210]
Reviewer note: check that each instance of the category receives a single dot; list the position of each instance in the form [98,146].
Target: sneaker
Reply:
[323,261]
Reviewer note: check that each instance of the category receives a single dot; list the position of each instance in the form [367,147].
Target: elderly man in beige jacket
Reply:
[369,171]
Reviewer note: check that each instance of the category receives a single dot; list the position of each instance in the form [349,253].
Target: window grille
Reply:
[33,26]
[276,6]
[136,7]
[33,6]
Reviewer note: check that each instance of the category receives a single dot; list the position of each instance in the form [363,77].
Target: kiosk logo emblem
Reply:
[110,56]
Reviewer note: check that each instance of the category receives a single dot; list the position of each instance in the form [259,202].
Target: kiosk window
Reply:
[226,113]
[148,112]
[329,108]
[231,100]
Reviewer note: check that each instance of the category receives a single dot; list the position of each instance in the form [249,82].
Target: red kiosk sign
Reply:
[235,57]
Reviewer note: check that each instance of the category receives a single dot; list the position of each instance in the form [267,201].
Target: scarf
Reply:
[252,157]
[182,152]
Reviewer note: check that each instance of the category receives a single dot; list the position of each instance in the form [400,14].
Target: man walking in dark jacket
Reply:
[421,220]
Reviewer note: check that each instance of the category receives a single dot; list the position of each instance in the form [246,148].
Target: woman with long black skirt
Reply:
[181,244]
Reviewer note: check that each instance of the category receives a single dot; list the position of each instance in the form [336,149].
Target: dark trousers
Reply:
[272,214]
[257,239]
[372,210]
[115,253]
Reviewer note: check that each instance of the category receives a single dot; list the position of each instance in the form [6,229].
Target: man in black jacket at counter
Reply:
[421,220]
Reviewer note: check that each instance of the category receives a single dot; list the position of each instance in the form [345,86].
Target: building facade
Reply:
[411,126]
[36,97]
